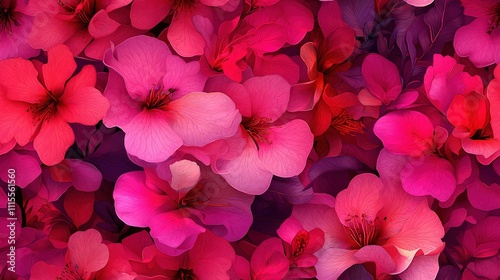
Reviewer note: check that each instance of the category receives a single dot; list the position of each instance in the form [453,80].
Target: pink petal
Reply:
[484,197]
[44,271]
[246,173]
[211,256]
[183,77]
[185,174]
[419,3]
[304,96]
[277,64]
[87,251]
[183,36]
[405,132]
[138,210]
[235,91]
[468,37]
[267,38]
[59,68]
[269,96]
[122,107]
[53,140]
[102,25]
[381,77]
[150,137]
[227,213]
[290,145]
[84,105]
[486,148]
[48,31]
[422,268]
[27,167]
[145,14]
[268,260]
[79,206]
[378,255]
[333,262]
[361,198]
[421,230]
[140,61]
[85,176]
[200,118]
[173,233]
[429,175]
[19,81]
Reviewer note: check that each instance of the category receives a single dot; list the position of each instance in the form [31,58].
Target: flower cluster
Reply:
[250,139]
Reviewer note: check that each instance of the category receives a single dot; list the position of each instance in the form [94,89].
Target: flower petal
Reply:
[53,140]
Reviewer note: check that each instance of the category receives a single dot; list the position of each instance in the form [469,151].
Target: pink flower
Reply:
[478,250]
[181,33]
[482,31]
[477,121]
[445,79]
[301,244]
[86,254]
[378,223]
[82,25]
[40,110]
[268,261]
[274,146]
[15,27]
[156,100]
[179,210]
[211,257]
[412,154]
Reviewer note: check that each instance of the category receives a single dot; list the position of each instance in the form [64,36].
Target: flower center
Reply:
[7,17]
[362,230]
[71,273]
[83,9]
[45,109]
[183,4]
[185,274]
[346,125]
[483,134]
[258,129]
[300,242]
[158,98]
[199,196]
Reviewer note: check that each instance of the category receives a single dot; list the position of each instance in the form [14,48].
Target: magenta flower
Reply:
[82,25]
[301,244]
[378,223]
[15,27]
[39,110]
[274,146]
[157,100]
[211,257]
[178,210]
[86,254]
[482,31]
[412,154]
[183,36]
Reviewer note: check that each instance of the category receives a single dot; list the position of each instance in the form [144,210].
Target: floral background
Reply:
[250,139]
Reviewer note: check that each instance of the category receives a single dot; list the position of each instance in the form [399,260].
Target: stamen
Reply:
[185,274]
[361,230]
[7,17]
[346,125]
[300,242]
[71,273]
[158,98]
[257,128]
[45,109]
[197,197]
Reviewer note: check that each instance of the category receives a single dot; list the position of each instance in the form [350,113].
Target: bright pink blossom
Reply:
[82,25]
[269,261]
[15,27]
[483,31]
[300,246]
[412,154]
[273,146]
[157,100]
[86,254]
[375,222]
[179,210]
[445,79]
[39,110]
